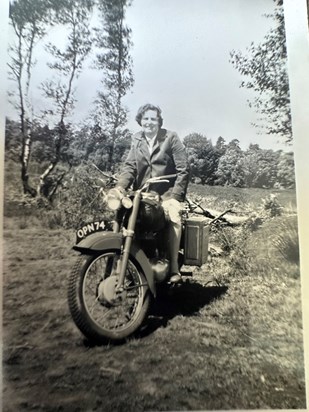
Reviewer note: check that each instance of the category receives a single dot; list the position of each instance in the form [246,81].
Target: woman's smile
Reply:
[150,123]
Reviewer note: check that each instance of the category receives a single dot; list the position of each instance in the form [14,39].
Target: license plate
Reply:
[92,227]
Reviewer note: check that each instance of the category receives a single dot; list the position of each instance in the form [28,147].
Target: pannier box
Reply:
[196,240]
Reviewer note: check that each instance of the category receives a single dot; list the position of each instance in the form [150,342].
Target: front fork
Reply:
[128,234]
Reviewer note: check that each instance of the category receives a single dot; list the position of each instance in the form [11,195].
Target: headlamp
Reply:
[127,202]
[113,199]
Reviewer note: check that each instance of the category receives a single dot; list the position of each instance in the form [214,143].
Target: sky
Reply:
[181,63]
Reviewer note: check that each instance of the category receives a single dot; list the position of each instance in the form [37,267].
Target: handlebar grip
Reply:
[160,178]
[168,176]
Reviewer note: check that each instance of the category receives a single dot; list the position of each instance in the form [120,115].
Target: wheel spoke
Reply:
[117,318]
[105,314]
[89,289]
[96,302]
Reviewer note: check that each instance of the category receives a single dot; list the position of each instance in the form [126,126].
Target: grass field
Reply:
[230,337]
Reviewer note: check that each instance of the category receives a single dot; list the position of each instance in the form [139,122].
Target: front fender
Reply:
[100,241]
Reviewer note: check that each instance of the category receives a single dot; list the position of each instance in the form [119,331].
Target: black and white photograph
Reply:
[154,205]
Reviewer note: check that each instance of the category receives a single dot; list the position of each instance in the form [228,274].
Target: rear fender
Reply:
[100,241]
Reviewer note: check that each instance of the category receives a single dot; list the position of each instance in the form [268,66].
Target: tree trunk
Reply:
[43,177]
[25,157]
[53,164]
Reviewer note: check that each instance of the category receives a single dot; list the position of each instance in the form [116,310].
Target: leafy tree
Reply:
[113,40]
[13,140]
[30,20]
[67,65]
[220,146]
[89,144]
[201,157]
[286,170]
[42,143]
[86,142]
[230,167]
[80,199]
[267,176]
[259,167]
[250,164]
[264,67]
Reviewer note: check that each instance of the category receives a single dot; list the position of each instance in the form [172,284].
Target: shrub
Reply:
[271,204]
[81,197]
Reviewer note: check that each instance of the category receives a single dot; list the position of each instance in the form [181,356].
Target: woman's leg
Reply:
[173,209]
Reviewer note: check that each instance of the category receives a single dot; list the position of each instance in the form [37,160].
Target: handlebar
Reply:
[160,179]
[157,179]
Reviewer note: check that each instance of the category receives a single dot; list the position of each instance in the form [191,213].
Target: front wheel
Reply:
[101,314]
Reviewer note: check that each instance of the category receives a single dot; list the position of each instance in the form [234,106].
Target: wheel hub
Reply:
[107,293]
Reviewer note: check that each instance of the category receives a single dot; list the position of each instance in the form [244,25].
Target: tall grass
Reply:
[287,242]
[272,248]
[233,242]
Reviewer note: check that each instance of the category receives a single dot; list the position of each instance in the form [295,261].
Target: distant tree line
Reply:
[227,164]
[212,164]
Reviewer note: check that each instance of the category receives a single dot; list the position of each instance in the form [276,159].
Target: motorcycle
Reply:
[116,275]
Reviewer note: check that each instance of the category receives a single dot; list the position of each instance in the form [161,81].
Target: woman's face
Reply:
[150,123]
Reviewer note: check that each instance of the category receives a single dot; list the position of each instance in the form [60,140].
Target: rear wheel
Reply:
[98,311]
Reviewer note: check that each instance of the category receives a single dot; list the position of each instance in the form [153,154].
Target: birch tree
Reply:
[113,40]
[66,66]
[264,69]
[30,20]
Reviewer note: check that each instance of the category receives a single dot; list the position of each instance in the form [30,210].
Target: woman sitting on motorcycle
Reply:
[156,152]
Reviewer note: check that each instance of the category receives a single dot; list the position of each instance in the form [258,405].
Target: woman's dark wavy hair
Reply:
[144,109]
